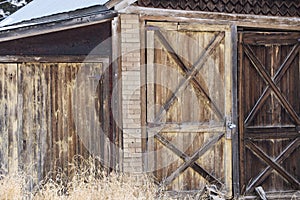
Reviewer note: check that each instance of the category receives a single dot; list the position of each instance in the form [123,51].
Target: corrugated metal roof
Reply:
[43,8]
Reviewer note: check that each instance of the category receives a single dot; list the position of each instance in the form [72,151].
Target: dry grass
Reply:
[114,186]
[12,187]
[87,182]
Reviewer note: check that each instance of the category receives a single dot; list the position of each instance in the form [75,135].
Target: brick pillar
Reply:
[131,93]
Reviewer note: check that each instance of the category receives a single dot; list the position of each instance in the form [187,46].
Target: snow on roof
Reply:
[42,8]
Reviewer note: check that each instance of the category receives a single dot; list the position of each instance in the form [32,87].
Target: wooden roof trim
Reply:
[93,10]
[242,20]
[39,29]
[119,4]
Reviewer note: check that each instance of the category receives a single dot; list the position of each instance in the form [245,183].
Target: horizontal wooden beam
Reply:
[187,127]
[265,135]
[241,20]
[49,59]
[271,132]
[283,194]
[197,27]
[271,39]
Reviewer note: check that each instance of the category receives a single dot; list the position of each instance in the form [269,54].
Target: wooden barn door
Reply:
[188,105]
[269,93]
[51,114]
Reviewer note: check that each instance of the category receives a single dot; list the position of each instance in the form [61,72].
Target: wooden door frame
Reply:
[231,137]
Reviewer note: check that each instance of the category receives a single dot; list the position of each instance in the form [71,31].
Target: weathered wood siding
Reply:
[51,112]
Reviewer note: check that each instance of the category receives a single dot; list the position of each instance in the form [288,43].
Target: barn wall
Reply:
[131,92]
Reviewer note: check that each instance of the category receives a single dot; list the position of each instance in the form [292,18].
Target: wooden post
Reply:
[117,88]
[235,134]
[229,58]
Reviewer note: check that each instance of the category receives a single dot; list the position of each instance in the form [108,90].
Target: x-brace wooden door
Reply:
[189,99]
[269,93]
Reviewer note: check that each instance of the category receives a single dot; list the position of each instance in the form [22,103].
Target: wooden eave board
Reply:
[39,29]
[241,20]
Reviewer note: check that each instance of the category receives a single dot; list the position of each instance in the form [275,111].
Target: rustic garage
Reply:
[195,93]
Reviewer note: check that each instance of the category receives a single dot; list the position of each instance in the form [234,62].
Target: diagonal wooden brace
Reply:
[190,160]
[195,166]
[264,157]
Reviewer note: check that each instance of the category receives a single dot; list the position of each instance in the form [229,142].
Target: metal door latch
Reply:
[229,127]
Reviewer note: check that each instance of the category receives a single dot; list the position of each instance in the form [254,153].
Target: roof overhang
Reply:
[57,22]
[214,18]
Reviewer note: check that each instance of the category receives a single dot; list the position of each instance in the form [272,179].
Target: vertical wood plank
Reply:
[235,114]
[65,115]
[150,80]
[229,59]
[12,128]
[157,102]
[44,126]
[8,118]
[4,123]
[106,122]
[71,139]
[27,120]
[241,96]
[143,78]
[3,136]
